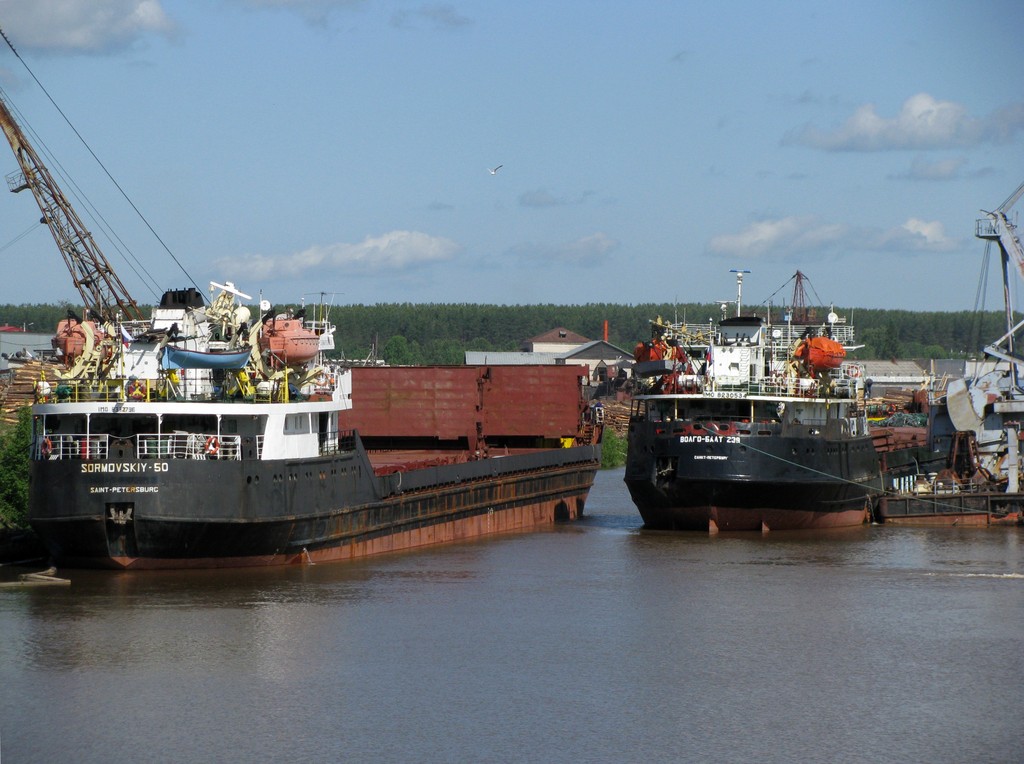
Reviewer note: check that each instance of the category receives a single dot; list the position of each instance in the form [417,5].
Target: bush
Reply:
[613,449]
[15,444]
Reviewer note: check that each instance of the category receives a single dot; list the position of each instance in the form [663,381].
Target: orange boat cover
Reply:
[821,353]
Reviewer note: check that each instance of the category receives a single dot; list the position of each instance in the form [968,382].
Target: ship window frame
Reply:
[297,424]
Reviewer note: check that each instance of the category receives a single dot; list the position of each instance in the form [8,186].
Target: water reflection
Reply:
[592,641]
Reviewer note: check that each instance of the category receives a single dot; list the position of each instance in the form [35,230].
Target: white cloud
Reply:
[923,122]
[791,234]
[82,26]
[587,250]
[784,237]
[944,169]
[394,251]
[915,235]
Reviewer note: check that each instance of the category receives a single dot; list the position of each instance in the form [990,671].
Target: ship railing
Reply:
[82,391]
[189,445]
[121,390]
[986,228]
[337,442]
[103,390]
[922,484]
[71,446]
[790,334]
[177,445]
[789,387]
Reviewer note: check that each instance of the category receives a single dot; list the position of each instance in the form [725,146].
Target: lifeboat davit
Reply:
[288,341]
[821,353]
[75,337]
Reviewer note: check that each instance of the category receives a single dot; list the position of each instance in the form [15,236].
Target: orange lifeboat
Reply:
[288,341]
[821,353]
[71,338]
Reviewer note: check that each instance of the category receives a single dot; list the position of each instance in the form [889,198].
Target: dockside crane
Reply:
[996,226]
[101,290]
[987,409]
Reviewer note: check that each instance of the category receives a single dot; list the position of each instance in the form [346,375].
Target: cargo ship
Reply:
[206,435]
[744,424]
[189,441]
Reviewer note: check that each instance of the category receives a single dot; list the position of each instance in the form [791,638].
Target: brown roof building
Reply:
[557,340]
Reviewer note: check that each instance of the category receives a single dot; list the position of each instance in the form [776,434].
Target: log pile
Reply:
[19,388]
[891,401]
[616,415]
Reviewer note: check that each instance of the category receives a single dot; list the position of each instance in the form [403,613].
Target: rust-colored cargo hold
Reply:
[510,404]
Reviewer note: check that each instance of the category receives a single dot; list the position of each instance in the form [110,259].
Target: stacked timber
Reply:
[616,415]
[889,439]
[896,400]
[19,388]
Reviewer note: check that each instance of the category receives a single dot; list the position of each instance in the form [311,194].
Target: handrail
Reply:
[128,390]
[176,445]
[173,445]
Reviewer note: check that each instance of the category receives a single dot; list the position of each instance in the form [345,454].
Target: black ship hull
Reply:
[750,482]
[209,513]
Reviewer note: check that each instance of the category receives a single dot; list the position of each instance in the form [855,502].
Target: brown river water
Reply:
[596,641]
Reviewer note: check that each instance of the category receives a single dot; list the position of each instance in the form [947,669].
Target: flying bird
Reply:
[495,170]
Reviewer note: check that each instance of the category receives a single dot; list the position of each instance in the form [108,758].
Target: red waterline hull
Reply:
[520,519]
[452,503]
[714,519]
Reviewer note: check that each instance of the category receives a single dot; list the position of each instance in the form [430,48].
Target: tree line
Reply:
[421,333]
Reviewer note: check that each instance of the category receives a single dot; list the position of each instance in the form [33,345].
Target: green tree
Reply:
[613,449]
[14,467]
[398,351]
[445,353]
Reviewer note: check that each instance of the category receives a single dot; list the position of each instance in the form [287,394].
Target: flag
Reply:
[126,338]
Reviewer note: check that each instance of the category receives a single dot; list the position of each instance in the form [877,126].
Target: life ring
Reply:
[47,448]
[853,371]
[212,445]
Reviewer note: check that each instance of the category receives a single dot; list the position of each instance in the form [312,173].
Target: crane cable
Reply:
[99,162]
[54,164]
[879,493]
[31,229]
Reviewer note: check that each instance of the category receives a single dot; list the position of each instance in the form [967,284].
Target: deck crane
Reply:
[996,226]
[102,291]
[988,408]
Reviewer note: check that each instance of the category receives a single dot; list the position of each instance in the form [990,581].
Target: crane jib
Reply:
[97,283]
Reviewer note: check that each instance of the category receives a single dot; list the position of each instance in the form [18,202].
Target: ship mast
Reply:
[801,313]
[101,289]
[739,288]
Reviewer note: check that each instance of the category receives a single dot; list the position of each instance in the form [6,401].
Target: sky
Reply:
[344,148]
